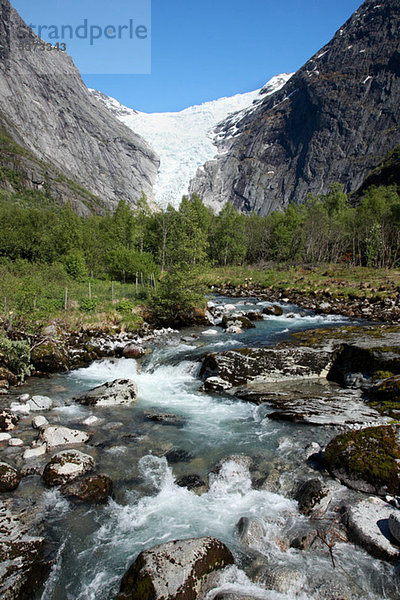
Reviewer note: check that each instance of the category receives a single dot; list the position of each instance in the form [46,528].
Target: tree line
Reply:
[134,240]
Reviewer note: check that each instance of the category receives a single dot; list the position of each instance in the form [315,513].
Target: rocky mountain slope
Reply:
[61,130]
[185,140]
[333,121]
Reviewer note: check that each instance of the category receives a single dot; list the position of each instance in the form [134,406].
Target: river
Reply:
[97,544]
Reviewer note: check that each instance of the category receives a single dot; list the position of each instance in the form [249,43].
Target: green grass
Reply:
[33,295]
[341,281]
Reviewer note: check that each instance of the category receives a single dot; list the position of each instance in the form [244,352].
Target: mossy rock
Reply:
[385,396]
[367,460]
[50,356]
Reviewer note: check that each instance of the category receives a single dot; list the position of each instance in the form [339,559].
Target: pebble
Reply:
[4,437]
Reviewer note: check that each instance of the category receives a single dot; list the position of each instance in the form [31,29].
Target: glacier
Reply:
[185,140]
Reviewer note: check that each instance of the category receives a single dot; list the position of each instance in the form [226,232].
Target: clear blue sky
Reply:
[201,50]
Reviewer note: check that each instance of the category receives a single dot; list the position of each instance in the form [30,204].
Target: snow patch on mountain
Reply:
[187,139]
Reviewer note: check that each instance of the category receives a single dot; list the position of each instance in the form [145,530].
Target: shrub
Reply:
[16,356]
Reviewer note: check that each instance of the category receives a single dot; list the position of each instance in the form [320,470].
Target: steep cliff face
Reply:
[47,109]
[333,121]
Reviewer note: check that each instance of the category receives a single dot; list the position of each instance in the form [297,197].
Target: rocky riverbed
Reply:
[201,455]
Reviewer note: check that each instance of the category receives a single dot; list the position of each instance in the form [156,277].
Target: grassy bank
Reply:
[342,281]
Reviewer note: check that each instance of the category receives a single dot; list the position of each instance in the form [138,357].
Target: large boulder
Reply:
[9,478]
[174,571]
[58,435]
[368,526]
[66,466]
[241,366]
[112,393]
[95,489]
[367,460]
[50,356]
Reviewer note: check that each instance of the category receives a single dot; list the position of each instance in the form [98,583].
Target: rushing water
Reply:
[97,544]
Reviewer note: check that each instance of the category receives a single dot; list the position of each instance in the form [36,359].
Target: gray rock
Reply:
[284,579]
[368,526]
[66,466]
[250,532]
[311,450]
[58,435]
[39,421]
[9,478]
[35,452]
[165,418]
[134,351]
[394,525]
[174,570]
[112,393]
[38,403]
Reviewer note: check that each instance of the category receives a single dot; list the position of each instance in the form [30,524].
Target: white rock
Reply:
[40,403]
[90,420]
[58,435]
[24,398]
[24,409]
[39,422]
[35,452]
[4,437]
[67,465]
[368,524]
[15,442]
[210,332]
[234,329]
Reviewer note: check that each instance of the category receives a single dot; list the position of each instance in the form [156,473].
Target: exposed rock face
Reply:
[334,120]
[368,525]
[66,466]
[120,391]
[367,460]
[61,123]
[175,570]
[246,364]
